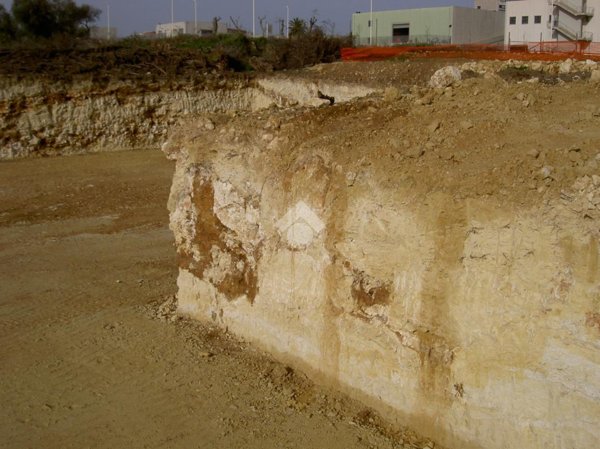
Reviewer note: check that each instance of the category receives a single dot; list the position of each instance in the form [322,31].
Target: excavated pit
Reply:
[433,253]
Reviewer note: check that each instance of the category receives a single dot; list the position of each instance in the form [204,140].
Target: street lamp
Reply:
[287,22]
[172,19]
[253,18]
[196,17]
[108,22]
[371,25]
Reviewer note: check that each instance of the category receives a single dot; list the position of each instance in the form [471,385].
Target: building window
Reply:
[525,20]
[537,19]
[512,20]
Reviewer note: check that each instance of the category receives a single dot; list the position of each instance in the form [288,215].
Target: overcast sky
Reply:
[142,15]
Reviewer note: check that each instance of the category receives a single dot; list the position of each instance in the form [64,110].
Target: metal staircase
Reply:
[576,9]
[573,9]
[570,33]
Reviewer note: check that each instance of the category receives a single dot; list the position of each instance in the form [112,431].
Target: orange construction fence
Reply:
[542,51]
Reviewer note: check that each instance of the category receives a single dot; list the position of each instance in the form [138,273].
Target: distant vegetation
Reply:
[51,38]
[54,44]
[241,53]
[45,19]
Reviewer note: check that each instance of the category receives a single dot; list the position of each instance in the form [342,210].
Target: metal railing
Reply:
[587,36]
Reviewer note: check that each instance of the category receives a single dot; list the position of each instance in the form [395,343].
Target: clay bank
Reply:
[431,251]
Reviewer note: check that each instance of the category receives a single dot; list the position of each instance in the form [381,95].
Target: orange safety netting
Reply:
[540,51]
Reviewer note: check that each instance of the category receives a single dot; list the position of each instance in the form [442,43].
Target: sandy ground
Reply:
[91,355]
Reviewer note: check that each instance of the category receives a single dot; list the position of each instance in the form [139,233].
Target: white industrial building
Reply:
[552,20]
[491,5]
[180,28]
[438,25]
[107,33]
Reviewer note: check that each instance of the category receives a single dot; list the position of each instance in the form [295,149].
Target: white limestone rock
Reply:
[445,77]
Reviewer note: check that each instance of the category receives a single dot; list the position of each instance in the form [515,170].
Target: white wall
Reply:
[435,25]
[164,29]
[490,5]
[530,32]
[97,32]
[477,26]
[170,29]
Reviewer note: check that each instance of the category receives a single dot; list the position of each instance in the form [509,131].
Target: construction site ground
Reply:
[92,354]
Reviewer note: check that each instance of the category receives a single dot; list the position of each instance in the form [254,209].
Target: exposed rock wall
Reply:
[41,118]
[438,259]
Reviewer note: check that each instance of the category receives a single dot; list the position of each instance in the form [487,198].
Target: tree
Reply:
[73,19]
[7,25]
[47,18]
[215,25]
[34,17]
[235,21]
[312,22]
[297,27]
[264,25]
[328,27]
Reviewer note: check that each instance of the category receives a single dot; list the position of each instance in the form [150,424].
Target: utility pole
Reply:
[371,25]
[287,22]
[196,17]
[108,22]
[253,18]
[172,19]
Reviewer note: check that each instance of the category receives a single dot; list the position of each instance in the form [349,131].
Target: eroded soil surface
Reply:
[91,354]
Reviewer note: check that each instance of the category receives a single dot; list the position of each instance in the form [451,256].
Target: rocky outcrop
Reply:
[454,287]
[42,118]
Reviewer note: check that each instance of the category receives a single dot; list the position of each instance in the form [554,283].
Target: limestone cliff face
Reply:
[36,118]
[459,294]
[44,118]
